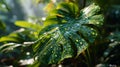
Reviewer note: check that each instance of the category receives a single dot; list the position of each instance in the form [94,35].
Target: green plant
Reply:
[71,37]
[17,45]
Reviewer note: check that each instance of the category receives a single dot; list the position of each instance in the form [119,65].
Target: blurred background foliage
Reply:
[29,28]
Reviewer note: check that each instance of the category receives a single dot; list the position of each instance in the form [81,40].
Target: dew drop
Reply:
[45,33]
[77,40]
[80,42]
[65,28]
[93,33]
[51,47]
[55,55]
[44,53]
[27,53]
[97,23]
[92,29]
[52,51]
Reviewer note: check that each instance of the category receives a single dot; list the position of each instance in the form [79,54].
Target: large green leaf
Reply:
[28,25]
[67,40]
[19,36]
[62,13]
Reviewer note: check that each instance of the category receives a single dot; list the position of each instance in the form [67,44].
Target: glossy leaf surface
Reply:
[69,39]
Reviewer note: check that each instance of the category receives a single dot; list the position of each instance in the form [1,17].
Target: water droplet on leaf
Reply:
[80,42]
[77,40]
